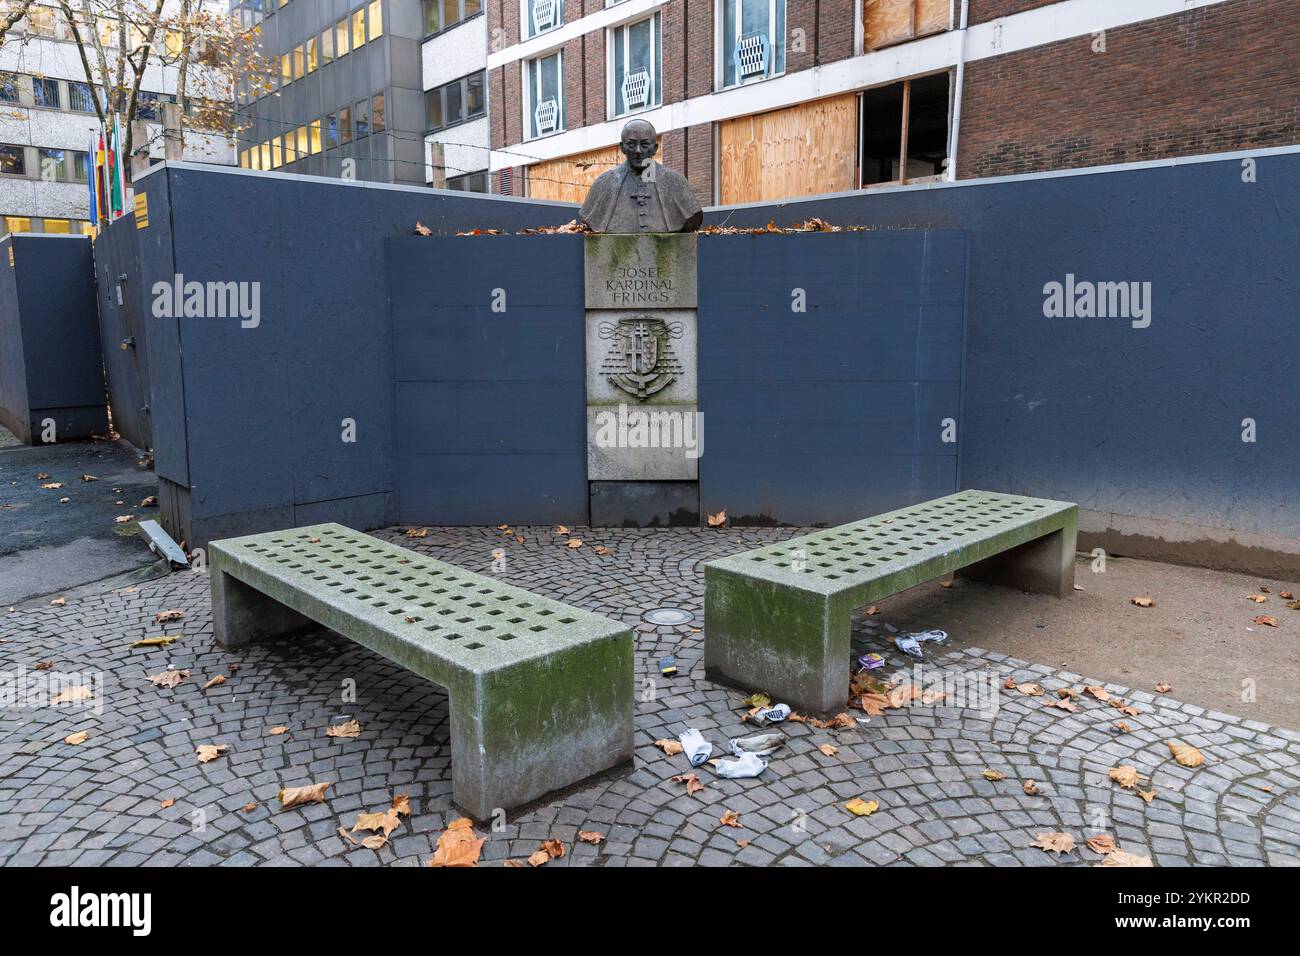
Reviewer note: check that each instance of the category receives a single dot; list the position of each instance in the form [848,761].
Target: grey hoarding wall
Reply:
[278,409]
[830,369]
[51,373]
[123,327]
[1180,438]
[489,381]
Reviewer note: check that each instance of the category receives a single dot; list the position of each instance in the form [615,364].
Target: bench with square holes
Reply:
[541,694]
[777,618]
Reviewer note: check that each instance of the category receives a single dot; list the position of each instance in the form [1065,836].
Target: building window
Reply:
[243,159]
[895,149]
[46,93]
[538,16]
[470,182]
[341,37]
[266,155]
[378,121]
[635,48]
[331,131]
[454,102]
[13,160]
[302,141]
[752,40]
[289,148]
[17,223]
[327,45]
[314,128]
[63,165]
[376,18]
[299,61]
[441,14]
[361,119]
[286,69]
[8,88]
[313,56]
[544,103]
[345,125]
[81,98]
[885,22]
[359,29]
[61,226]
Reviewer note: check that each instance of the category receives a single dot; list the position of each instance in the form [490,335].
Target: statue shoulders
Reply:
[609,179]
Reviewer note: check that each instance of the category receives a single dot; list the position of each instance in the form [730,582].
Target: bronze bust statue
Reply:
[641,195]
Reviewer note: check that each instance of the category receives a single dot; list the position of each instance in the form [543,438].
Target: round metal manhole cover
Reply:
[667,616]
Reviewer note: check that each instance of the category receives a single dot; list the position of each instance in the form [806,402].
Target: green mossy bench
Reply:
[777,618]
[541,694]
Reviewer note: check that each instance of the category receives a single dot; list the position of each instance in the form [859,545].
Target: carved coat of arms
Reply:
[640,360]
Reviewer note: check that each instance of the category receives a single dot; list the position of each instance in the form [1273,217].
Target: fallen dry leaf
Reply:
[573,543]
[1185,755]
[742,843]
[591,836]
[297,796]
[72,695]
[1031,788]
[719,519]
[348,729]
[160,641]
[458,845]
[1124,858]
[152,502]
[600,549]
[44,665]
[215,682]
[1147,795]
[1266,620]
[554,848]
[417,532]
[1066,705]
[671,747]
[123,519]
[1097,691]
[692,782]
[169,802]
[1163,687]
[59,602]
[162,617]
[1126,776]
[539,858]
[561,529]
[946,584]
[53,485]
[78,738]
[210,752]
[1102,843]
[422,230]
[1257,598]
[1069,692]
[994,775]
[169,678]
[248,807]
[1123,728]
[1057,843]
[829,750]
[757,699]
[730,818]
[1143,601]
[861,808]
[838,722]
[1031,689]
[873,609]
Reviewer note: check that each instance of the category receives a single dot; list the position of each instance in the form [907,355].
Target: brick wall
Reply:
[982,11]
[1215,79]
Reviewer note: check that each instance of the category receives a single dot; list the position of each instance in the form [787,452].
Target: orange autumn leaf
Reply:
[692,782]
[1266,620]
[730,818]
[169,679]
[1185,755]
[994,775]
[1101,843]
[1057,843]
[719,519]
[297,796]
[1143,601]
[169,802]
[591,836]
[458,845]
[210,752]
[829,750]
[350,728]
[1031,788]
[216,681]
[1126,776]
[671,747]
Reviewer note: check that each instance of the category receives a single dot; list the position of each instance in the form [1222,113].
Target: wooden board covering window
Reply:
[568,179]
[893,21]
[800,151]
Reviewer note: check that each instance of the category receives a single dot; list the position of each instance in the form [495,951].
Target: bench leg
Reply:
[241,613]
[1042,566]
[791,644]
[522,731]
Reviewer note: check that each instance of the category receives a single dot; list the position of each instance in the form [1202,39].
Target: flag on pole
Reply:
[121,163]
[101,173]
[91,157]
[115,204]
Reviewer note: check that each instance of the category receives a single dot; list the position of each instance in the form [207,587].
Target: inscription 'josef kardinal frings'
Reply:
[639,285]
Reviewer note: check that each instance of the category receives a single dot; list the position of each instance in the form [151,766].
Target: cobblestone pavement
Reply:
[99,802]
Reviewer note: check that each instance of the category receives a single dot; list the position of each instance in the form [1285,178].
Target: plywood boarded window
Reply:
[800,151]
[569,178]
[885,22]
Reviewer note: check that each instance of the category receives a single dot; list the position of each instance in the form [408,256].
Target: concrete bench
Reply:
[541,694]
[777,618]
